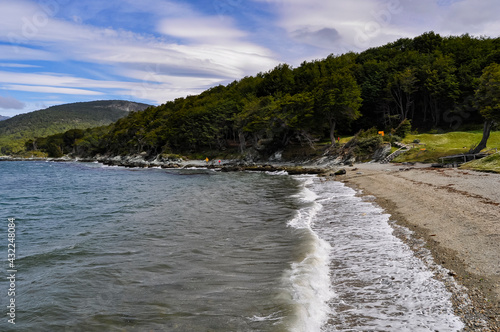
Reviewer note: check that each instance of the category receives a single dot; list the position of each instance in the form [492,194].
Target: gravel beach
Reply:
[456,215]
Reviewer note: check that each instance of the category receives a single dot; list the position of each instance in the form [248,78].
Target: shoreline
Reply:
[454,214]
[292,168]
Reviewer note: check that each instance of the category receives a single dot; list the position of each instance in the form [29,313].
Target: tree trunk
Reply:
[332,132]
[397,96]
[486,134]
[243,143]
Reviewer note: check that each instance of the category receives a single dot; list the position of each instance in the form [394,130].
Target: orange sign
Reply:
[381,133]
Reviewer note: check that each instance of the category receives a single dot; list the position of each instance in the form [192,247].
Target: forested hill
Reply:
[56,119]
[430,80]
[3,117]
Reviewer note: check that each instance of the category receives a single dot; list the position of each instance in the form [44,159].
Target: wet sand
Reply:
[457,213]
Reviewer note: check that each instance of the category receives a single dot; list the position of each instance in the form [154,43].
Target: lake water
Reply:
[113,249]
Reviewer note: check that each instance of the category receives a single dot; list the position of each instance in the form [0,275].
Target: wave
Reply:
[277,173]
[53,255]
[378,282]
[308,279]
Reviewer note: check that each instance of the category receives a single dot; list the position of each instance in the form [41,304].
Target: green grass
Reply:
[486,164]
[434,146]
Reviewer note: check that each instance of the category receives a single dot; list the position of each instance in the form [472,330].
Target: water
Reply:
[112,249]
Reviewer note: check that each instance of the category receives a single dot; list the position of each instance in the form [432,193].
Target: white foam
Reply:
[111,166]
[310,285]
[271,317]
[379,284]
[308,280]
[277,173]
[305,217]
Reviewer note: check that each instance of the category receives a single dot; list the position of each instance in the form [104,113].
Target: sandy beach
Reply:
[457,213]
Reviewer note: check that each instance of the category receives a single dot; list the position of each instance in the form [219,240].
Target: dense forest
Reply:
[58,119]
[429,81]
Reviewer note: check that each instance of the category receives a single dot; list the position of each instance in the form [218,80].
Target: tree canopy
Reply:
[488,93]
[487,100]
[430,81]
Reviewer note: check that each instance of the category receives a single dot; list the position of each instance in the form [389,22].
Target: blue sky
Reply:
[61,51]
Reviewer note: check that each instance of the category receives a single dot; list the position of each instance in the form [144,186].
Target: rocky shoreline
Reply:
[138,161]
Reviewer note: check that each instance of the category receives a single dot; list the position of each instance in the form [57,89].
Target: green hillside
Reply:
[426,84]
[15,131]
[431,147]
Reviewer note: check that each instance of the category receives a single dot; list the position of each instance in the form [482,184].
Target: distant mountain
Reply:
[4,117]
[57,119]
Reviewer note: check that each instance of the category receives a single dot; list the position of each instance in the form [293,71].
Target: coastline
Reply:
[224,165]
[457,215]
[453,213]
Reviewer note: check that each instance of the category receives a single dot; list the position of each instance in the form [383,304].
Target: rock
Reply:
[382,152]
[251,155]
[341,171]
[350,161]
[277,156]
[231,169]
[303,170]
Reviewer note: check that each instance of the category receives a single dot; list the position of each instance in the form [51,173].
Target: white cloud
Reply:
[106,45]
[152,83]
[17,65]
[340,26]
[54,80]
[203,29]
[474,17]
[51,89]
[215,51]
[21,53]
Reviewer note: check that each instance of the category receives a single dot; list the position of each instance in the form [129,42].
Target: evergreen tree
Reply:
[487,99]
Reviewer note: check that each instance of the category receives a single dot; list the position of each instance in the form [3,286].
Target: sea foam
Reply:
[308,279]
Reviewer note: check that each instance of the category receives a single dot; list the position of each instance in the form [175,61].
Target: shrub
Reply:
[54,151]
[404,128]
[368,133]
[396,138]
[370,144]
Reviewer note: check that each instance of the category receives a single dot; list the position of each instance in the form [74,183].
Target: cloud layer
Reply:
[181,56]
[340,26]
[55,51]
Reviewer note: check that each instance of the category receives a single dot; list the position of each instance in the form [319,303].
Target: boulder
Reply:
[341,171]
[382,152]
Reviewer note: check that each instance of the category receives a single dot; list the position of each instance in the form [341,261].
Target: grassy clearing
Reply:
[434,146]
[486,164]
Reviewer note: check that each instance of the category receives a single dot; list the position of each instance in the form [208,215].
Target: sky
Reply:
[62,51]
